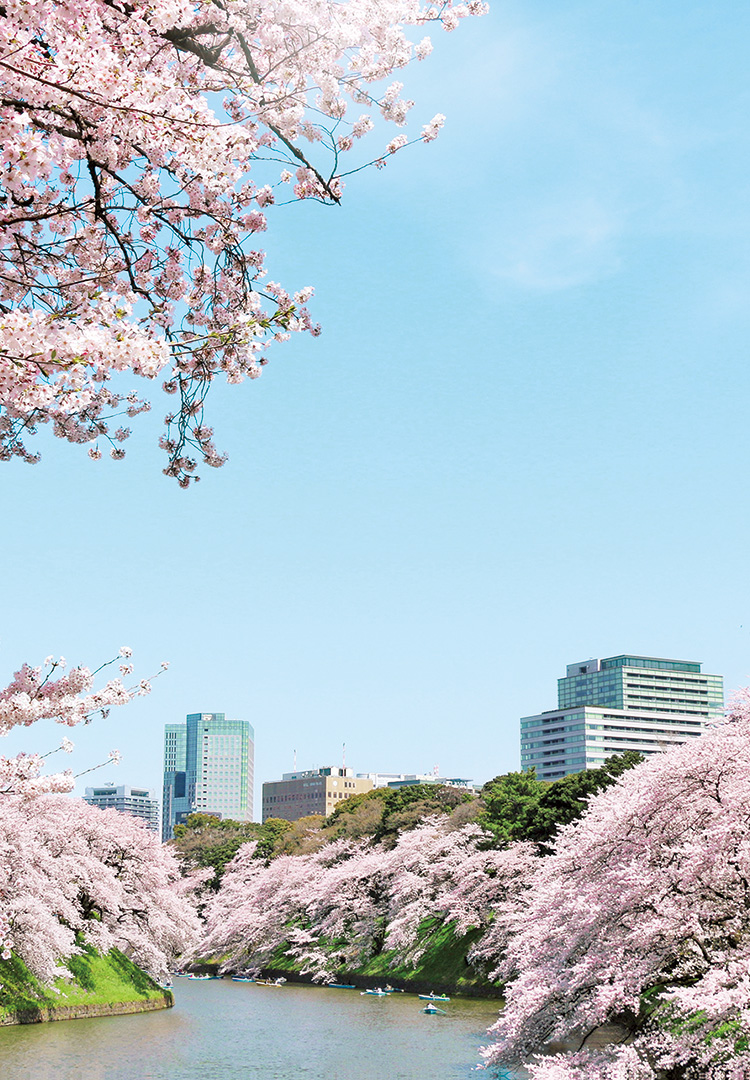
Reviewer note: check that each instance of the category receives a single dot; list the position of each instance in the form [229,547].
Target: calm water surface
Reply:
[221,1030]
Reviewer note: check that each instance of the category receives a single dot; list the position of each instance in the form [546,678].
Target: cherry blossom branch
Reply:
[89,285]
[70,699]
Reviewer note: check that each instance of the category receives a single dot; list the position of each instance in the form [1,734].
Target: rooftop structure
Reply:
[415,779]
[381,780]
[438,781]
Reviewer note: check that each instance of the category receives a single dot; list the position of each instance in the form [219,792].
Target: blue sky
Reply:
[520,442]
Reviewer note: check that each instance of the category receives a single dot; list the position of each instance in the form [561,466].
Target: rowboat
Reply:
[433,997]
[431,1009]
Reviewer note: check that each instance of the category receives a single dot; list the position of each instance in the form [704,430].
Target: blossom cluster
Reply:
[641,917]
[336,907]
[128,219]
[69,699]
[39,693]
[72,875]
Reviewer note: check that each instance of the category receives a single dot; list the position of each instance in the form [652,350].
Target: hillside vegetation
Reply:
[405,884]
[97,982]
[442,967]
[515,806]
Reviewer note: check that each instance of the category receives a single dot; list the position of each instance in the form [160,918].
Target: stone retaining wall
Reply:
[43,1014]
[411,986]
[477,989]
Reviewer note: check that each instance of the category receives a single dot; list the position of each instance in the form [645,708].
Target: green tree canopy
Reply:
[208,841]
[386,812]
[518,806]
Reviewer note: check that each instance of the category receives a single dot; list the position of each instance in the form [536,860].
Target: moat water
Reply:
[221,1030]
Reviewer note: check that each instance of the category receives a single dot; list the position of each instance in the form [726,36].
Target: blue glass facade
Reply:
[208,767]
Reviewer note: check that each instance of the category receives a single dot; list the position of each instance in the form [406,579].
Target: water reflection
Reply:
[236,1031]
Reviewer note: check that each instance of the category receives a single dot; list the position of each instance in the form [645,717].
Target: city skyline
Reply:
[592,690]
[154,768]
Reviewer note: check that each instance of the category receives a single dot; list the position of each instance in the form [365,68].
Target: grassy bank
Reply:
[443,964]
[99,985]
[442,967]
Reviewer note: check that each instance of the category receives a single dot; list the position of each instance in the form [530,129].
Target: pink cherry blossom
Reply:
[641,916]
[70,872]
[430,131]
[129,135]
[71,699]
[337,907]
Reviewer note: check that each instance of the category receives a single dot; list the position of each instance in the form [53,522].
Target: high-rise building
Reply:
[316,791]
[139,802]
[605,707]
[208,768]
[175,803]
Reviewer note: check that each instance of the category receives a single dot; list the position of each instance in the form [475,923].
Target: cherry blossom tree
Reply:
[71,874]
[337,907]
[324,908]
[450,873]
[247,919]
[39,693]
[128,217]
[641,918]
[346,908]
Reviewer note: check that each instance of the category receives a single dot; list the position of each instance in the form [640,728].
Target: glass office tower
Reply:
[642,703]
[208,768]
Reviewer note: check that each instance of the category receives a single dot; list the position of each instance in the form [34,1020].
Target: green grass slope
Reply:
[443,961]
[441,967]
[96,981]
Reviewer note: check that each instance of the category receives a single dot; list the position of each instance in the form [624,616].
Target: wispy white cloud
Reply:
[594,146]
[558,246]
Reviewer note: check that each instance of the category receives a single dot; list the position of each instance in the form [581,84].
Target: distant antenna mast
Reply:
[343,758]
[436,770]
[295,761]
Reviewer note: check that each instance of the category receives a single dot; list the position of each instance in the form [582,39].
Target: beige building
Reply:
[316,791]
